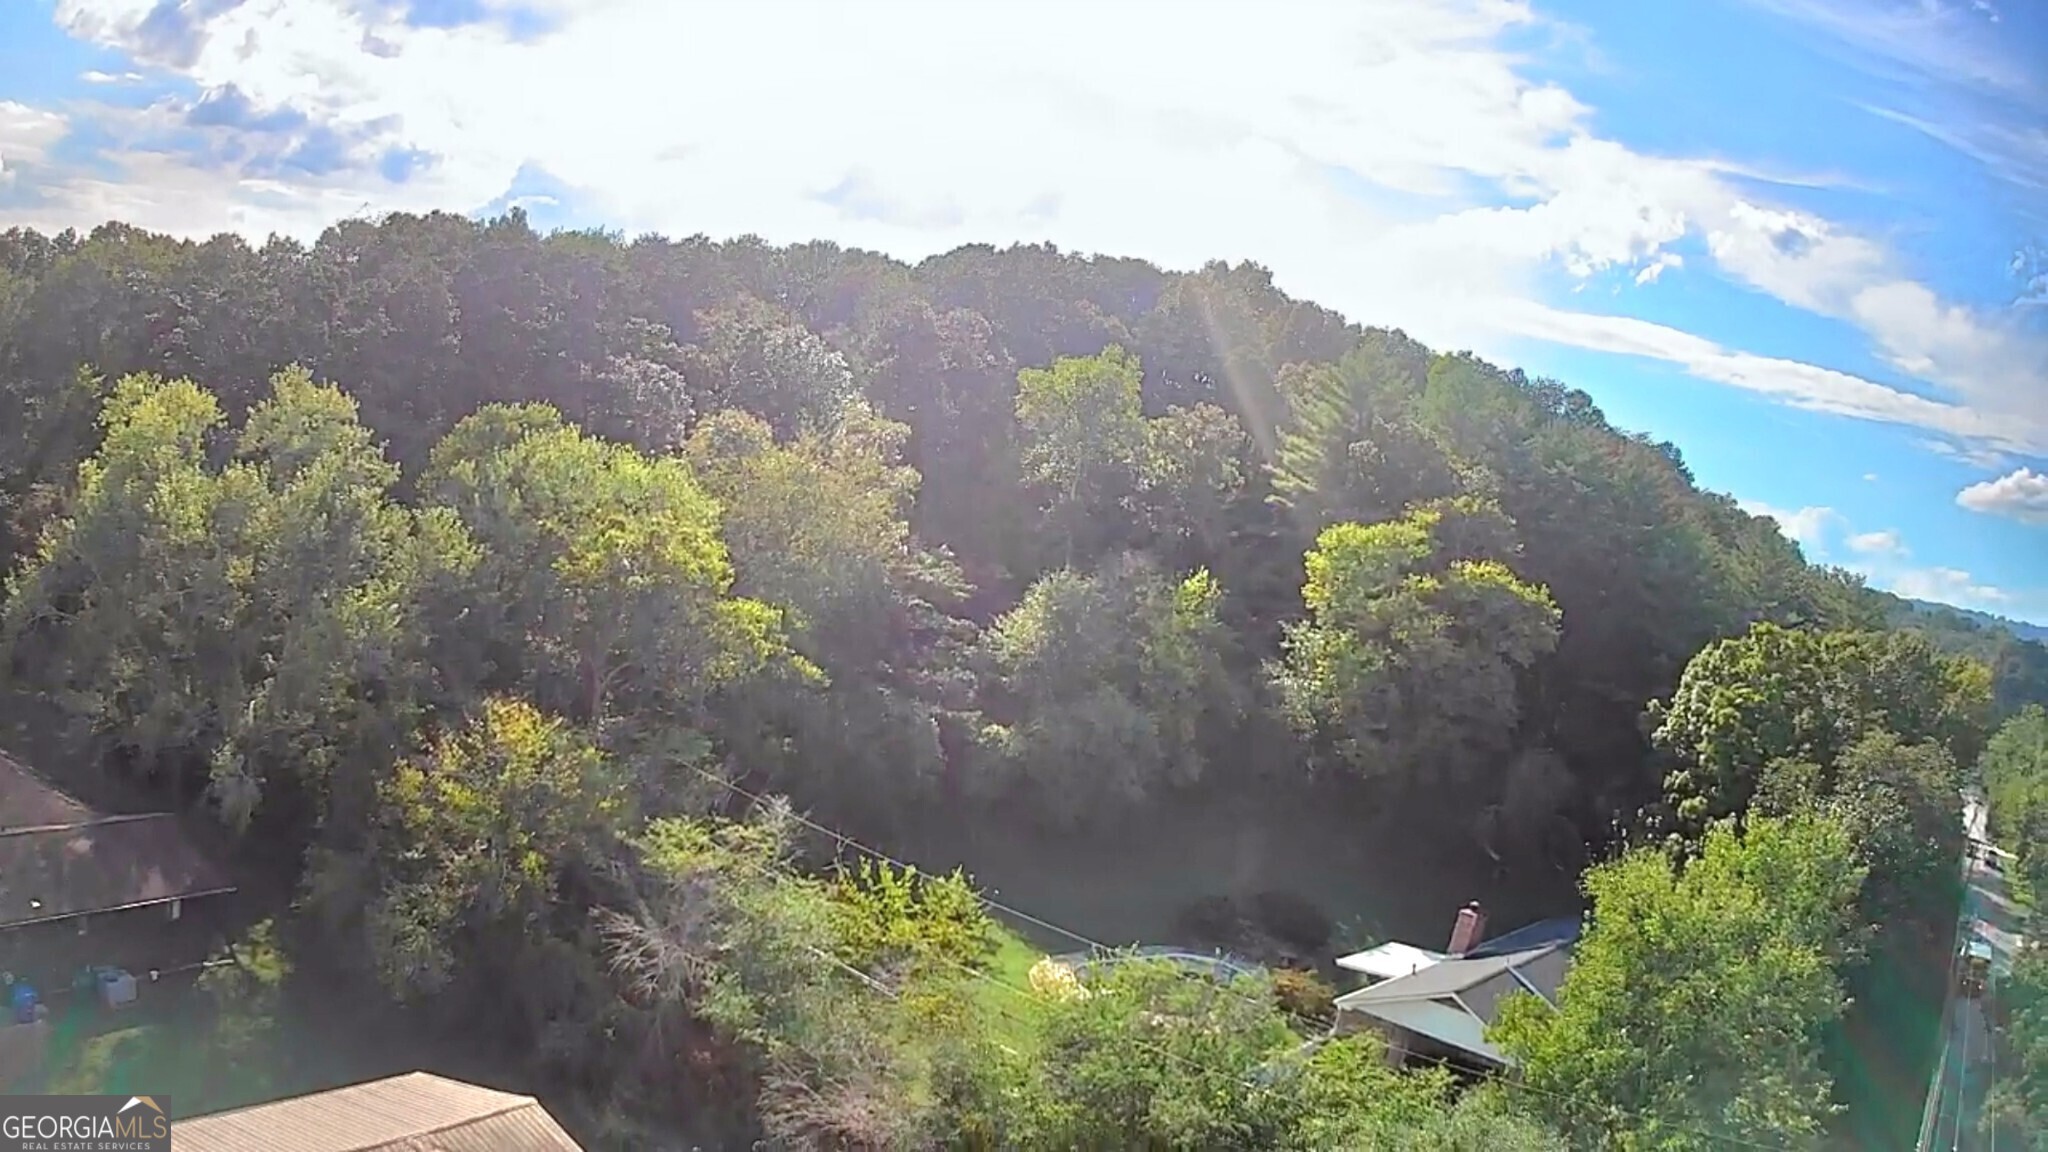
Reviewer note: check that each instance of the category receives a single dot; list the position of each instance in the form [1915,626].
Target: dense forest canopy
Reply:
[481,574]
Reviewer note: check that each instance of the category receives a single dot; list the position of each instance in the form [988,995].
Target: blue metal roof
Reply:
[1541,934]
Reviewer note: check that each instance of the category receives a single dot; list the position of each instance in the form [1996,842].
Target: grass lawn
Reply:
[172,1043]
[1011,968]
[147,1049]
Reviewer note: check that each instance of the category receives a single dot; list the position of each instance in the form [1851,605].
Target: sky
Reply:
[1806,241]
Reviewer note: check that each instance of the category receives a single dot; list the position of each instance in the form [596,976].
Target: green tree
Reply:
[946,376]
[723,942]
[2015,772]
[241,623]
[1082,432]
[480,837]
[1153,1057]
[1694,1007]
[130,604]
[1898,802]
[818,528]
[1352,447]
[345,591]
[1109,687]
[1192,480]
[1416,632]
[750,356]
[603,591]
[2018,1100]
[1778,693]
[45,432]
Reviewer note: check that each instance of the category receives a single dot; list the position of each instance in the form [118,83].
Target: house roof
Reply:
[1445,1023]
[29,801]
[1561,930]
[60,859]
[1454,1001]
[1390,960]
[416,1112]
[1447,978]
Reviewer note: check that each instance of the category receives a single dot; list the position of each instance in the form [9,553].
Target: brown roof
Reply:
[59,858]
[417,1112]
[28,801]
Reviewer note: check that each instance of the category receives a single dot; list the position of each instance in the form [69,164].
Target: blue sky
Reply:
[1801,239]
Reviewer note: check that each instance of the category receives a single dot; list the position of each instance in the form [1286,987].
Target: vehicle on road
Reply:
[1975,971]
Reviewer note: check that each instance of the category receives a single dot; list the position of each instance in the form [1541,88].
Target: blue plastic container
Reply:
[24,1002]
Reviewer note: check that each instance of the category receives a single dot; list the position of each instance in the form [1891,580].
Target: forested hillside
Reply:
[2020,629]
[480,579]
[2014,652]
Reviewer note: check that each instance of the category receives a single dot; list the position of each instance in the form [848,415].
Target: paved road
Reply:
[1965,1071]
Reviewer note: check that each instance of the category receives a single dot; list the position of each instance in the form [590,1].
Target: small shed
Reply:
[416,1112]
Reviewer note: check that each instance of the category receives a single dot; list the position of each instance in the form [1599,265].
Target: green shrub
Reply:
[1304,995]
[883,916]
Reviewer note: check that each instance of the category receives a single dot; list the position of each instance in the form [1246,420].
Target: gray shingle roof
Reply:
[1446,978]
[416,1112]
[59,858]
[1559,930]
[29,801]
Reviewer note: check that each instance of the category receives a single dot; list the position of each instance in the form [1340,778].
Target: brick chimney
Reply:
[1470,929]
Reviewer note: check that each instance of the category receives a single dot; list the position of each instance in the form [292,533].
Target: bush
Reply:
[883,916]
[1304,995]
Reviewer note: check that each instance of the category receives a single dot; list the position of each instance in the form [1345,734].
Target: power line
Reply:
[845,840]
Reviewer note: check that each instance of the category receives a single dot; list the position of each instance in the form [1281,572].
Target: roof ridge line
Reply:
[121,818]
[514,1104]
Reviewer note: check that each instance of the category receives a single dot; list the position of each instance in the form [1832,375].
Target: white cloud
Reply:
[1926,38]
[1870,477]
[1988,459]
[1948,586]
[1807,527]
[2020,495]
[1881,557]
[98,77]
[1386,157]
[1655,268]
[1792,382]
[26,134]
[1882,543]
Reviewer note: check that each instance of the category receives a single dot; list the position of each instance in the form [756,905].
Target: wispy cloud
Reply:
[2014,152]
[1959,75]
[1988,459]
[1951,42]
[1792,382]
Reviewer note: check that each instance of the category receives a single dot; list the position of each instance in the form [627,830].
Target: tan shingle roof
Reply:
[416,1112]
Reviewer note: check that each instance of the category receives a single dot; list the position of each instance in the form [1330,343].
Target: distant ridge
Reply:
[2019,628]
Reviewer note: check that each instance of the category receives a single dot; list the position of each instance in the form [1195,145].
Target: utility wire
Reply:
[847,841]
